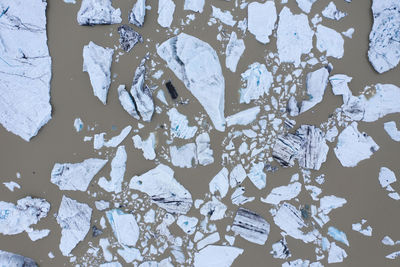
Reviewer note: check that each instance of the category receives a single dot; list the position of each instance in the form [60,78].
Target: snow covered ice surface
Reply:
[138,13]
[234,51]
[93,12]
[261,20]
[11,259]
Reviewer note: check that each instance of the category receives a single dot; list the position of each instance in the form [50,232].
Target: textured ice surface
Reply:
[211,239]
[197,65]
[391,129]
[179,125]
[138,13]
[340,86]
[97,63]
[305,5]
[94,12]
[216,256]
[258,80]
[336,254]
[331,12]
[220,183]
[338,235]
[76,176]
[234,51]
[261,20]
[243,117]
[237,175]
[166,9]
[294,36]
[238,197]
[74,220]
[257,175]
[251,226]
[99,141]
[214,208]
[203,149]
[183,156]
[118,166]
[316,84]
[194,5]
[353,146]
[187,224]
[280,250]
[15,260]
[15,219]
[128,38]
[330,41]
[160,185]
[384,44]
[281,193]
[224,16]
[78,124]
[127,102]
[147,146]
[25,67]
[124,226]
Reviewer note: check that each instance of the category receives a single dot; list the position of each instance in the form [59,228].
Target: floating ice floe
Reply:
[141,93]
[25,68]
[336,254]
[238,197]
[220,183]
[237,175]
[97,63]
[187,224]
[179,125]
[353,146]
[224,16]
[280,250]
[78,125]
[166,9]
[331,12]
[257,175]
[128,37]
[147,145]
[243,117]
[216,256]
[111,264]
[258,80]
[94,12]
[384,45]
[127,102]
[130,254]
[294,36]
[11,259]
[283,193]
[251,226]
[316,84]
[391,129]
[197,65]
[99,141]
[15,219]
[183,156]
[330,41]
[138,12]
[74,220]
[203,149]
[35,235]
[160,185]
[307,145]
[70,1]
[329,203]
[234,51]
[118,166]
[124,226]
[214,208]
[338,235]
[102,204]
[211,239]
[76,176]
[305,5]
[11,185]
[340,86]
[393,255]
[261,20]
[386,178]
[348,33]
[194,5]
[388,241]
[104,244]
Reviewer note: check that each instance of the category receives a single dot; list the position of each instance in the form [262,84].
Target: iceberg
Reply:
[124,226]
[243,117]
[220,183]
[76,176]
[234,51]
[331,12]
[386,178]
[160,185]
[238,197]
[136,17]
[330,41]
[166,9]
[11,259]
[280,250]
[78,125]
[197,65]
[194,5]
[316,84]
[187,224]
[340,86]
[128,38]
[261,20]
[203,149]
[94,12]
[258,81]
[179,125]
[391,129]
[336,254]
[127,102]
[25,68]
[251,226]
[211,239]
[305,5]
[338,235]
[147,146]
[99,142]
[257,176]
[224,16]
[184,156]
[97,63]
[74,220]
[35,235]
[118,166]
[367,231]
[216,256]
[214,209]
[384,45]
[282,193]
[237,175]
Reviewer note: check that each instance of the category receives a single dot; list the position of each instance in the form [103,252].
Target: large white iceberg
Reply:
[261,20]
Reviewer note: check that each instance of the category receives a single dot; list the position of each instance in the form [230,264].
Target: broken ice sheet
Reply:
[336,254]
[35,235]
[147,145]
[11,185]
[127,102]
[166,9]
[330,41]
[74,220]
[128,38]
[234,51]
[15,219]
[238,197]
[243,117]
[257,175]
[160,185]
[338,235]
[316,84]
[216,256]
[76,176]
[251,226]
[197,65]
[353,146]
[358,227]
[282,193]
[261,20]
[393,255]
[11,259]
[258,80]
[97,63]
[237,175]
[391,129]
[214,208]
[138,13]
[124,226]
[180,125]
[118,166]
[94,12]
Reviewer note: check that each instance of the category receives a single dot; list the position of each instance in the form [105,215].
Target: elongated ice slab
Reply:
[243,117]
[161,186]
[203,149]
[99,141]
[330,41]
[234,51]
[166,9]
[118,166]
[316,84]
[94,12]
[124,226]
[282,193]
[147,146]
[251,226]
[25,69]
[11,259]
[138,13]
[338,235]
[127,102]
[180,125]
[76,176]
[261,20]
[197,65]
[391,129]
[216,256]
[258,80]
[74,220]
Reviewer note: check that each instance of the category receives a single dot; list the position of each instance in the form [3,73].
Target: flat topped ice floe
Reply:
[234,51]
[25,67]
[261,20]
[166,9]
[94,12]
[11,259]
[196,63]
[138,13]
[216,256]
[124,226]
[330,41]
[305,5]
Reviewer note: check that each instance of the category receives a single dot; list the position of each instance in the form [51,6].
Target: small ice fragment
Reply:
[124,226]
[349,33]
[237,175]
[128,37]
[257,176]
[224,16]
[187,224]
[330,41]
[76,176]
[15,260]
[261,20]
[393,255]
[11,185]
[102,204]
[166,9]
[78,124]
[183,156]
[329,203]
[211,239]
[220,183]
[180,125]
[305,5]
[338,235]
[70,1]
[386,177]
[38,234]
[258,80]
[340,86]
[50,255]
[221,256]
[234,51]
[238,197]
[358,228]
[280,250]
[388,241]
[282,193]
[331,12]
[118,166]
[203,149]
[97,63]
[104,244]
[243,117]
[127,102]
[138,13]
[251,226]
[214,208]
[171,90]
[316,84]
[161,97]
[194,5]
[147,145]
[336,254]
[391,129]
[94,12]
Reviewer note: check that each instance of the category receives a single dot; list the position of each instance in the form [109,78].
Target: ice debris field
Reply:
[155,218]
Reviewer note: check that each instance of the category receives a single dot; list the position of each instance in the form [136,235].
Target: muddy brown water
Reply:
[72,97]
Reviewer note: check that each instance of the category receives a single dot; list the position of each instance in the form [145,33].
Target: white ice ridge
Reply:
[11,259]
[197,65]
[305,5]
[282,193]
[138,13]
[97,63]
[224,16]
[94,12]
[99,142]
[386,178]
[251,226]
[316,85]
[179,125]
[384,43]
[124,226]
[25,67]
[353,146]
[258,80]
[118,166]
[243,117]
[166,9]
[74,220]
[261,20]
[216,256]
[294,36]
[15,219]
[391,129]
[330,41]
[234,51]
[147,145]
[76,176]
[160,185]
[331,12]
